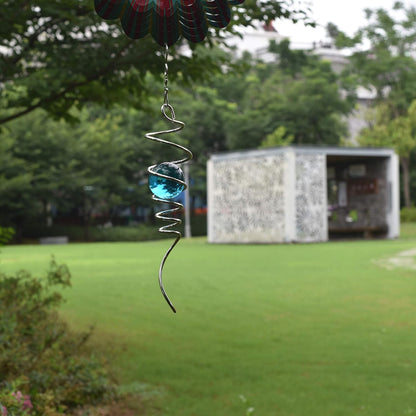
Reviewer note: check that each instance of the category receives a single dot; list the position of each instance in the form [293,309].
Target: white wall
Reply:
[393,208]
[247,199]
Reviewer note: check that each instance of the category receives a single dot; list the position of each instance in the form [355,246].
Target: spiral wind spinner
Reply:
[166,21]
[166,180]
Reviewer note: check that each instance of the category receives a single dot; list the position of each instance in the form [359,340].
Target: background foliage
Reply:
[77,97]
[56,55]
[52,168]
[384,62]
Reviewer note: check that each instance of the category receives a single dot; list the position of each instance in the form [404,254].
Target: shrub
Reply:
[13,402]
[139,232]
[408,214]
[41,360]
[6,234]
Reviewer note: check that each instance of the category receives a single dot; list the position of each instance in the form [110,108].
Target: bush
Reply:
[74,233]
[6,234]
[408,214]
[139,232]
[42,362]
[198,226]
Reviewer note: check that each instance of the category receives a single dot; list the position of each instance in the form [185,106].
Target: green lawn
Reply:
[299,330]
[408,230]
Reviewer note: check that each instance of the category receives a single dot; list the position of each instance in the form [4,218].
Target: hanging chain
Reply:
[166,73]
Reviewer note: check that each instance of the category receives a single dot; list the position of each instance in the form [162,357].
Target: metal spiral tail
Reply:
[166,215]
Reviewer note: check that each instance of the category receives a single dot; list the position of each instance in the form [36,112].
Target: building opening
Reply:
[359,197]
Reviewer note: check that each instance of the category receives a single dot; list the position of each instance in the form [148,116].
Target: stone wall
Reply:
[247,200]
[310,197]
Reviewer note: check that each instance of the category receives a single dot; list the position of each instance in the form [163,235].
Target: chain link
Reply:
[166,73]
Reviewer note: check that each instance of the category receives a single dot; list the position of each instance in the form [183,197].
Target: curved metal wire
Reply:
[169,115]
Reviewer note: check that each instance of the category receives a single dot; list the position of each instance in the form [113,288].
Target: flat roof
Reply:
[326,150]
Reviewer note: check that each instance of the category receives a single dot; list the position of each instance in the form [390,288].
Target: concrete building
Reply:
[302,194]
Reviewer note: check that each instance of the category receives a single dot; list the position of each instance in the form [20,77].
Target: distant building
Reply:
[326,52]
[256,41]
[302,194]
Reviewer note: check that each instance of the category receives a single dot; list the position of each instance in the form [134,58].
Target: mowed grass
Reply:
[408,230]
[299,330]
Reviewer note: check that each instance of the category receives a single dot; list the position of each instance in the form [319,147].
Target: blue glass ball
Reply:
[166,188]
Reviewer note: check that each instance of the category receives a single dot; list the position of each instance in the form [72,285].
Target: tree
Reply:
[384,57]
[96,163]
[15,186]
[384,61]
[399,133]
[332,31]
[60,54]
[298,92]
[278,138]
[290,61]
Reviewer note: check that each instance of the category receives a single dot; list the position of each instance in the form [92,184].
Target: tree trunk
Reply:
[404,162]
[47,213]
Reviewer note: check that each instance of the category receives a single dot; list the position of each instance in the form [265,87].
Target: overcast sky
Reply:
[348,15]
